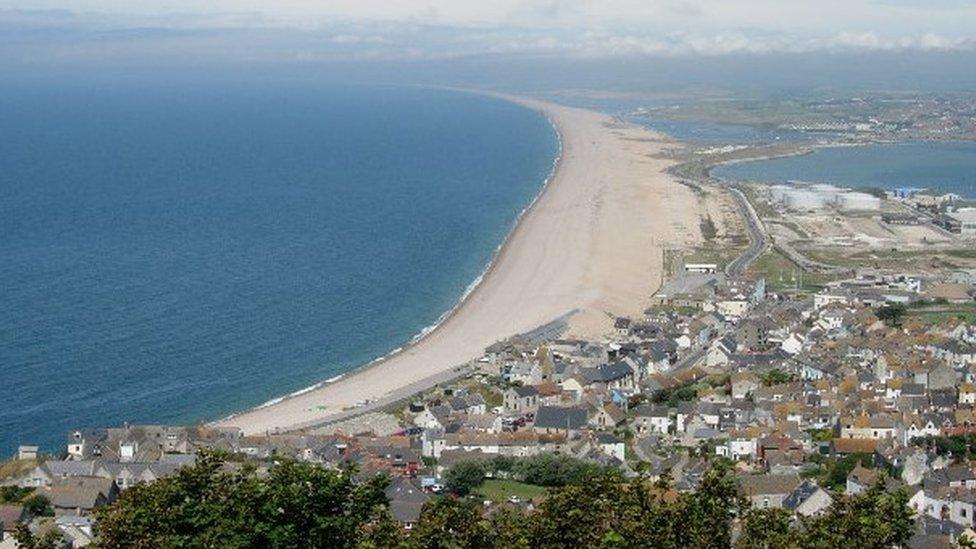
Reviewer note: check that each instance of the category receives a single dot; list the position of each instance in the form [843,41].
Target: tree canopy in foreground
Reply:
[295,504]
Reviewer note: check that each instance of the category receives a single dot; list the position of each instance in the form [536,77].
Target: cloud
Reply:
[443,29]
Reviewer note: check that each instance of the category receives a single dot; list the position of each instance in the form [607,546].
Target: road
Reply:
[690,359]
[758,237]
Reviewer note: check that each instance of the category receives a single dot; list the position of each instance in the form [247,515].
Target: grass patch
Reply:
[499,490]
[492,395]
[781,274]
[13,468]
[939,314]
[720,255]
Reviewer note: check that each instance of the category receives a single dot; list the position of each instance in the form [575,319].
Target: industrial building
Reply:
[966,218]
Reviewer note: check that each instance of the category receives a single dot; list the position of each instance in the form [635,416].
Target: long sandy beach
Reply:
[592,243]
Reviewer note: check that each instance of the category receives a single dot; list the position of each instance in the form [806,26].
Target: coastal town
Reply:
[810,390]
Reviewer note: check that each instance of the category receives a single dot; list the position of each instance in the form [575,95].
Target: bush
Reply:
[466,476]
[38,505]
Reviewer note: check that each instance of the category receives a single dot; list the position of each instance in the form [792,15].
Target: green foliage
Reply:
[961,447]
[821,435]
[25,539]
[765,529]
[295,504]
[872,519]
[540,470]
[449,523]
[891,314]
[605,512]
[491,395]
[776,377]
[833,472]
[298,505]
[36,504]
[14,494]
[680,393]
[466,476]
[554,470]
[381,533]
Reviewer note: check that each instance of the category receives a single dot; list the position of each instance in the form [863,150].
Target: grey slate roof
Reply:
[799,495]
[556,417]
[406,501]
[523,391]
[607,372]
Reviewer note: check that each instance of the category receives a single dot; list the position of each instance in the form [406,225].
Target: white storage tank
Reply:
[830,193]
[803,200]
[858,201]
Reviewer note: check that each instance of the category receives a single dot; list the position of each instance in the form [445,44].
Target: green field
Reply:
[781,274]
[499,490]
[942,313]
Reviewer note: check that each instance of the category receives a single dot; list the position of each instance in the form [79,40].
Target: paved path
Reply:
[758,236]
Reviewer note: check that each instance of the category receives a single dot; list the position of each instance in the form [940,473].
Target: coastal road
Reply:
[758,237]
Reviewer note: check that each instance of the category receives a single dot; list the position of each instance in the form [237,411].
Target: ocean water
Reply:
[945,167]
[176,252]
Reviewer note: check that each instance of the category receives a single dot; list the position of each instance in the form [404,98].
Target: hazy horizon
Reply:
[661,45]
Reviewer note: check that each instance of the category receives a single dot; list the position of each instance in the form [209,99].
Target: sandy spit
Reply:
[591,243]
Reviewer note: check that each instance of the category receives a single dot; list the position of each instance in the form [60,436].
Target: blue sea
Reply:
[176,252]
[943,167]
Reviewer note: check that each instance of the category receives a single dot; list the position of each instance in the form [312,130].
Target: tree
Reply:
[554,470]
[708,514]
[14,494]
[509,529]
[766,529]
[52,539]
[465,476]
[382,533]
[449,523]
[891,314]
[213,505]
[578,515]
[874,518]
[775,377]
[216,504]
[37,505]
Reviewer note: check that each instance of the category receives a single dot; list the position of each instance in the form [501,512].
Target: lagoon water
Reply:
[944,167]
[174,253]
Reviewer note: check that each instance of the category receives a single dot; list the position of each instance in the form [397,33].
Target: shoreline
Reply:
[471,288]
[517,292]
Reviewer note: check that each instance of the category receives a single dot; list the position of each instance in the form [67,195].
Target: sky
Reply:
[431,32]
[303,29]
